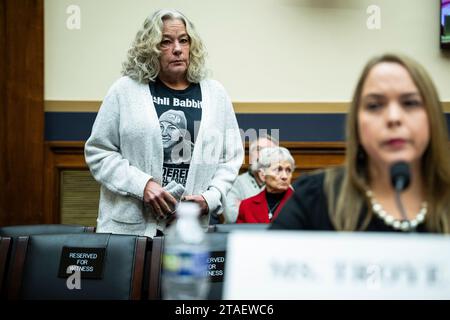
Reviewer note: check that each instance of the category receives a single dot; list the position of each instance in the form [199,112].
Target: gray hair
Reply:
[142,62]
[268,156]
[254,143]
[262,136]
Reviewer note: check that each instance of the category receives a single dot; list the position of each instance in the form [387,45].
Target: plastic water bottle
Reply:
[185,259]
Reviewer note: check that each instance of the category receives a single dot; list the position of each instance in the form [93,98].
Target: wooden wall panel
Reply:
[3,82]
[309,156]
[79,197]
[21,111]
[61,156]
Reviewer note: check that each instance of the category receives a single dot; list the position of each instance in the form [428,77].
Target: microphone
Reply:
[400,179]
[400,176]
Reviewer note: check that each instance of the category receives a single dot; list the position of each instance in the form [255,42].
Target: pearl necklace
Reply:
[403,225]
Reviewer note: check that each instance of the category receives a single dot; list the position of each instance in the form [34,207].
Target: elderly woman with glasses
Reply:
[275,167]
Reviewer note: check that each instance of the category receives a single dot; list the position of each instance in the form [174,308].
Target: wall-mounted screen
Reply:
[445,24]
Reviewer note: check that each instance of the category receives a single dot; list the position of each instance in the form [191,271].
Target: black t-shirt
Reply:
[179,113]
[307,209]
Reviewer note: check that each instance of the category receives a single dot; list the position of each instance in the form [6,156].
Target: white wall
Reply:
[261,50]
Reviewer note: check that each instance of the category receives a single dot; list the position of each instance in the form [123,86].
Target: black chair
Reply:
[155,268]
[216,266]
[229,227]
[27,230]
[218,245]
[5,244]
[36,267]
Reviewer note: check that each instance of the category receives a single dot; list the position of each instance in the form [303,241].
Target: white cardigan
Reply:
[125,150]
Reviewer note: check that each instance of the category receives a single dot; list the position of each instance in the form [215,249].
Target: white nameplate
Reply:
[331,265]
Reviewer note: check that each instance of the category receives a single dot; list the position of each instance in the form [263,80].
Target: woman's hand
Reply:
[161,201]
[204,209]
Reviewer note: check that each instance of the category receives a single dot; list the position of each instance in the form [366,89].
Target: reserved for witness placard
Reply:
[330,265]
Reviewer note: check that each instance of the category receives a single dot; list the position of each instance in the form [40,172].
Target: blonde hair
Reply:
[345,205]
[142,62]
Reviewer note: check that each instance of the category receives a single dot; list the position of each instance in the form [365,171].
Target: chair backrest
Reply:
[218,245]
[27,230]
[218,241]
[216,264]
[154,276]
[5,244]
[36,267]
[228,227]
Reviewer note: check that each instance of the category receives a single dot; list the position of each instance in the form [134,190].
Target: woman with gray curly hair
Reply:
[157,138]
[143,60]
